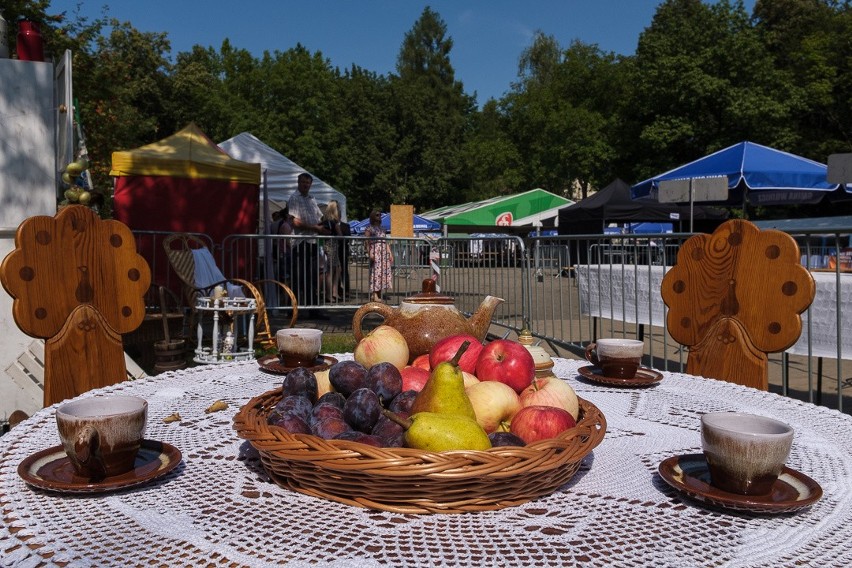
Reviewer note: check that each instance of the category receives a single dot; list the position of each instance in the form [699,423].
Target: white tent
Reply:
[281,172]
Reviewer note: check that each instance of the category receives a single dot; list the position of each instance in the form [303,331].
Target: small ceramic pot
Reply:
[745,452]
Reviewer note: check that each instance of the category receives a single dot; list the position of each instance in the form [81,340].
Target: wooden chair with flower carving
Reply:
[735,296]
[77,282]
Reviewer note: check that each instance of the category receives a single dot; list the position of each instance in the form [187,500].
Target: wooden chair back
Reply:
[77,282]
[735,296]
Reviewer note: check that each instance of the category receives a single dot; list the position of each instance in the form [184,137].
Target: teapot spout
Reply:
[480,321]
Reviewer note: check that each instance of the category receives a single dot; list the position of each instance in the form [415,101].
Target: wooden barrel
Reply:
[170,355]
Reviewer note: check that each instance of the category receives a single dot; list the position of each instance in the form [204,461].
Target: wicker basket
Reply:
[405,480]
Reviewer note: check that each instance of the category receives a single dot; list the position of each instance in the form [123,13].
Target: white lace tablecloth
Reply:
[218,508]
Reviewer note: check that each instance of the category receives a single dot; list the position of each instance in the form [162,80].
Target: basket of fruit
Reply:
[369,443]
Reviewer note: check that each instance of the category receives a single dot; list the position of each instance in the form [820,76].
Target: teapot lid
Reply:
[429,295]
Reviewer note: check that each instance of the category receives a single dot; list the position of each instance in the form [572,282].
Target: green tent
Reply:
[518,213]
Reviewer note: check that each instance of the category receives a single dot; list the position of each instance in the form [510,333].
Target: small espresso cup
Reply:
[617,358]
[102,435]
[298,347]
[745,452]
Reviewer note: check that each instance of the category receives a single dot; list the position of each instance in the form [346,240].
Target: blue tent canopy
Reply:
[645,228]
[768,176]
[649,228]
[421,225]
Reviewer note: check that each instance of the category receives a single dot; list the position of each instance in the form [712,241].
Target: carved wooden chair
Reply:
[78,283]
[182,251]
[735,296]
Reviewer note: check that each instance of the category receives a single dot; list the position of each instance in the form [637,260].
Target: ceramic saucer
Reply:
[690,475]
[644,377]
[272,364]
[52,470]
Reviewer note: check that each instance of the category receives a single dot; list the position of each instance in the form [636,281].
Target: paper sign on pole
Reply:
[713,188]
[402,220]
[840,168]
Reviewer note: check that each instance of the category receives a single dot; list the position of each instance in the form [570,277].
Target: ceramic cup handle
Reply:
[87,449]
[591,354]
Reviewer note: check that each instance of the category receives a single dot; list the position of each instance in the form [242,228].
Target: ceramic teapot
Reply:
[428,317]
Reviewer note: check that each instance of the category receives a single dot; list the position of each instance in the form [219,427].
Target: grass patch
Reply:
[331,343]
[338,342]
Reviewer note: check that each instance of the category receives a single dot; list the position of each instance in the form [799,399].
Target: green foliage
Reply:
[705,75]
[431,113]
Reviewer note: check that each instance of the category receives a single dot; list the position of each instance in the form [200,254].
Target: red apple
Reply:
[534,423]
[494,404]
[506,361]
[382,344]
[446,349]
[413,378]
[551,391]
[422,361]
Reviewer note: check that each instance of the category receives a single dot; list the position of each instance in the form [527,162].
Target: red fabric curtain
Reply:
[215,207]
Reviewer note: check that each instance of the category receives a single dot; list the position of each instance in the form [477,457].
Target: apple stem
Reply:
[404,422]
[457,357]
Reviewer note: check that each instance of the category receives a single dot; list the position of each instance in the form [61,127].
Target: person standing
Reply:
[381,257]
[331,223]
[305,217]
[343,254]
[282,225]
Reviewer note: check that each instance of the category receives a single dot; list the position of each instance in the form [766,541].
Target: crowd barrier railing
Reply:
[567,290]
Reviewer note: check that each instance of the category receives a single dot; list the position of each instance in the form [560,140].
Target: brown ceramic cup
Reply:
[102,435]
[745,452]
[617,358]
[298,347]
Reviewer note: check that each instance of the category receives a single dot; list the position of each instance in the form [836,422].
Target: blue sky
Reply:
[488,35]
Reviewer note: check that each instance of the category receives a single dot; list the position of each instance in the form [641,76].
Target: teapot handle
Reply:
[370,307]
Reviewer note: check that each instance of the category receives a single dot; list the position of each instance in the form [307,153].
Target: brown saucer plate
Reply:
[690,475]
[644,377]
[51,469]
[272,364]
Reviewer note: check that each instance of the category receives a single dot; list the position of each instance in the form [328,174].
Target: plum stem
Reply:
[404,422]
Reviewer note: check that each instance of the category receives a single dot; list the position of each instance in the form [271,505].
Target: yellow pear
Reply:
[433,432]
[444,392]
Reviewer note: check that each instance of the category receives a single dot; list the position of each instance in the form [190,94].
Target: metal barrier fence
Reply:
[568,290]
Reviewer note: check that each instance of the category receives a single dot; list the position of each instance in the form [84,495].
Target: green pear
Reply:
[433,432]
[444,392]
[75,168]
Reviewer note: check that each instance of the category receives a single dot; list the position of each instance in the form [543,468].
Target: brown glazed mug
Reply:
[102,435]
[745,452]
[617,358]
[298,347]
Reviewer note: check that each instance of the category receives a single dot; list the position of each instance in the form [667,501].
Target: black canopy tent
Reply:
[613,204]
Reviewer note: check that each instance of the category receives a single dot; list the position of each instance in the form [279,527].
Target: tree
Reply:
[365,170]
[198,92]
[492,161]
[122,91]
[432,116]
[809,42]
[560,112]
[704,81]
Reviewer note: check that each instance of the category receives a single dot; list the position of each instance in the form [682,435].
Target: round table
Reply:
[218,508]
